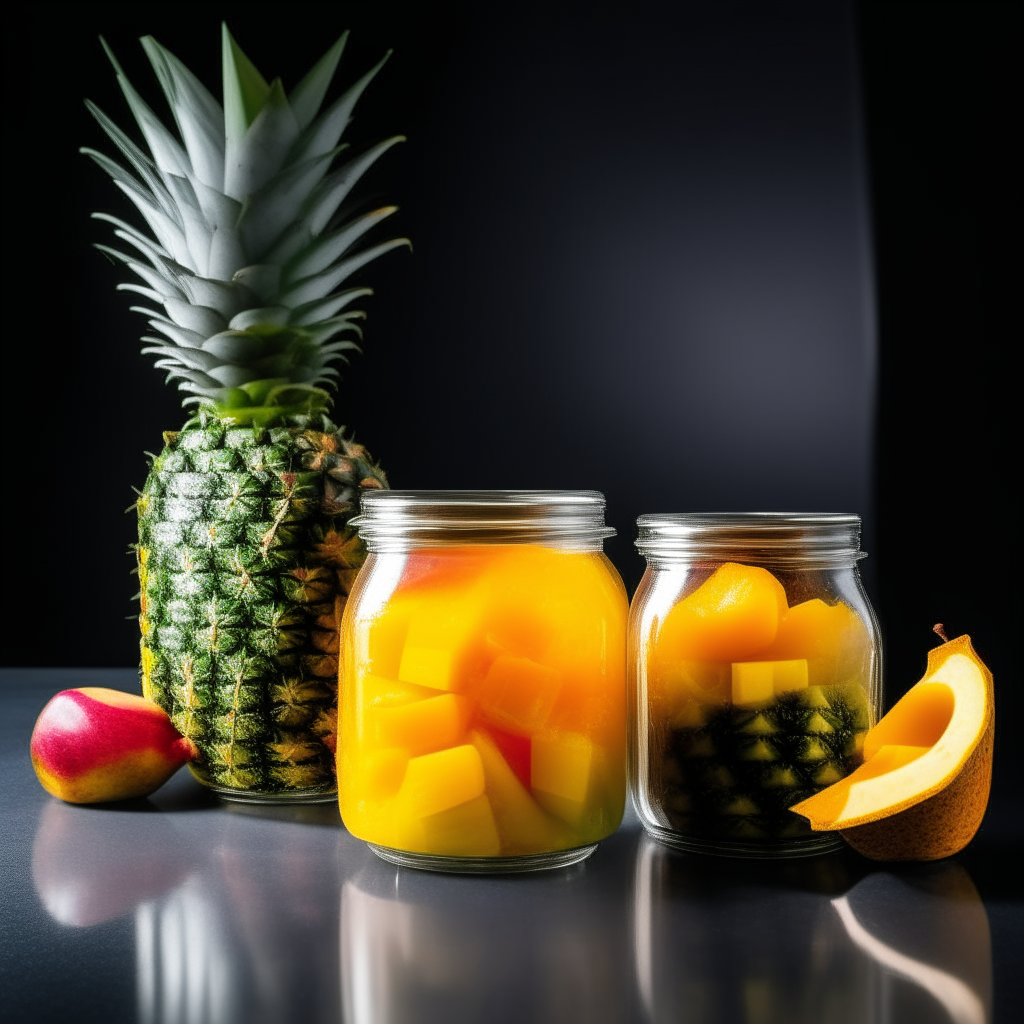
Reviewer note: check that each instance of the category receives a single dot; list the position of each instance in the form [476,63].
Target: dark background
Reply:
[698,255]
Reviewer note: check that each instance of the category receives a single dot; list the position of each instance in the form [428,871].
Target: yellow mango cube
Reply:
[560,773]
[752,682]
[468,830]
[789,676]
[423,726]
[376,692]
[522,825]
[380,772]
[436,782]
[385,639]
[517,694]
[756,681]
[441,636]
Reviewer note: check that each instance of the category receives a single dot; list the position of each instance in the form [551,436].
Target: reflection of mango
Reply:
[732,616]
[380,772]
[93,744]
[674,684]
[923,789]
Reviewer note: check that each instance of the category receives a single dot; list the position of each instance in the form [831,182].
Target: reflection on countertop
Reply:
[549,947]
[828,939]
[278,914]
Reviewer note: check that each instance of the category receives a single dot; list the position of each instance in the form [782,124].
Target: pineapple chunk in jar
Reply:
[482,701]
[755,674]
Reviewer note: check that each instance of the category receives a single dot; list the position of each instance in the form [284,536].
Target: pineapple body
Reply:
[735,775]
[245,561]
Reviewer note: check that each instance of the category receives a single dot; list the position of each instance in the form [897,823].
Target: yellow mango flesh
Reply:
[930,741]
[731,616]
[831,638]
[498,674]
[735,640]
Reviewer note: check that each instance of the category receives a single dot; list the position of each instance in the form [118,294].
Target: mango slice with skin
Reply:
[732,616]
[923,790]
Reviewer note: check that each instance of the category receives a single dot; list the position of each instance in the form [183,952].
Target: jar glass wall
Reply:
[482,704]
[755,672]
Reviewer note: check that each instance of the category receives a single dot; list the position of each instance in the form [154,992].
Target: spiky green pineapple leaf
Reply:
[248,189]
[322,309]
[325,249]
[253,160]
[307,97]
[168,154]
[245,89]
[320,285]
[268,215]
[127,228]
[323,134]
[143,165]
[333,191]
[198,115]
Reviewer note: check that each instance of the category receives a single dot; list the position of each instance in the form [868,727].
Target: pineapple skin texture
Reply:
[736,777]
[245,561]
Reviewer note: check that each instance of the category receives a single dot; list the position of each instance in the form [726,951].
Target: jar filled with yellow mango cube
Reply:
[482,698]
[755,673]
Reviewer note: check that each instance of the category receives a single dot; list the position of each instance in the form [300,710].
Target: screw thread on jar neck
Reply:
[786,539]
[400,520]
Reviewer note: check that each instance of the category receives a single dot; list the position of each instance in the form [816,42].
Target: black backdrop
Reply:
[651,242]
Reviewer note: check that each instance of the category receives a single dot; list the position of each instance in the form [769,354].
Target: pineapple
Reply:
[734,775]
[245,555]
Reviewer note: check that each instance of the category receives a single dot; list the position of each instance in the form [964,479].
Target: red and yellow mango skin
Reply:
[93,745]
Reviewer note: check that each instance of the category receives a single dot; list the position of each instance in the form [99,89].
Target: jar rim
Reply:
[399,520]
[805,539]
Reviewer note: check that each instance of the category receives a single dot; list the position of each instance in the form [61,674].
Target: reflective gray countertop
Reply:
[183,910]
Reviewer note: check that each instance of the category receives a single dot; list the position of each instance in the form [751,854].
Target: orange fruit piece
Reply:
[732,616]
[832,638]
[924,786]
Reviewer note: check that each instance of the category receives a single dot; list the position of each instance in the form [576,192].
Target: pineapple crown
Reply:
[252,239]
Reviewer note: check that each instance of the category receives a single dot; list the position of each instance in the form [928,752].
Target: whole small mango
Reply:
[92,745]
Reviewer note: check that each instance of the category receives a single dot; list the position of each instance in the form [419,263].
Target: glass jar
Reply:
[482,703]
[755,672]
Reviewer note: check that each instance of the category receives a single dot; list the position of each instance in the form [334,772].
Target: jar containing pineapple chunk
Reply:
[755,672]
[482,700]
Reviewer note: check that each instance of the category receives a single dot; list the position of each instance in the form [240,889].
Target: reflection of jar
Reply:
[755,673]
[759,943]
[483,681]
[416,950]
